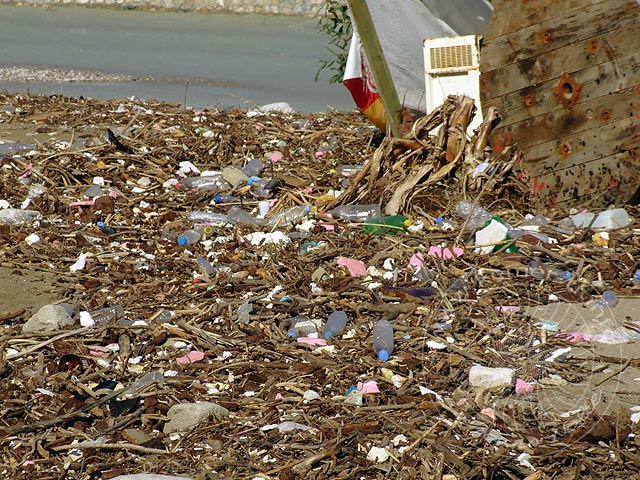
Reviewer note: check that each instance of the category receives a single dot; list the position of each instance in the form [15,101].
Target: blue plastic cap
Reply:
[567,275]
[253,180]
[637,275]
[100,224]
[218,198]
[292,334]
[307,208]
[328,334]
[182,240]
[383,355]
[439,220]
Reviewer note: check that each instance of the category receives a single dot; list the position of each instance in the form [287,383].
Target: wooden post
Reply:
[378,64]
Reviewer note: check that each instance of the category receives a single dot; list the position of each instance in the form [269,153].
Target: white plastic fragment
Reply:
[310,395]
[433,345]
[32,239]
[86,320]
[487,377]
[80,263]
[378,455]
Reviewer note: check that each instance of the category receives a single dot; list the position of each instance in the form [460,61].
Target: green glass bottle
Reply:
[391,225]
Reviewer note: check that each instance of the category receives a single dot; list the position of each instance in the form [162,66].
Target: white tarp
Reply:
[402,25]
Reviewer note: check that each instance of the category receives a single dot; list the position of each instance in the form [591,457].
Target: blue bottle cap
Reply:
[307,208]
[383,355]
[439,220]
[637,275]
[328,334]
[567,275]
[182,240]
[253,179]
[292,334]
[218,198]
[100,224]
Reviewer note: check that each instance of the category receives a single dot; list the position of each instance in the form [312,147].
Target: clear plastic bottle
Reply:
[237,216]
[476,215]
[107,315]
[243,312]
[227,199]
[356,213]
[547,272]
[383,339]
[208,183]
[16,216]
[253,168]
[301,327]
[348,170]
[191,236]
[199,216]
[335,324]
[289,217]
[205,265]
[608,299]
[263,188]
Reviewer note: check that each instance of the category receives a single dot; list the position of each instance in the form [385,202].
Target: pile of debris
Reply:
[206,294]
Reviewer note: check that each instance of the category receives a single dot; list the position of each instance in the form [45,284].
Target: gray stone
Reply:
[136,436]
[234,176]
[186,415]
[48,319]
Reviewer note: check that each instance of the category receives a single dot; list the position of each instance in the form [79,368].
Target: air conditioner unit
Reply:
[452,67]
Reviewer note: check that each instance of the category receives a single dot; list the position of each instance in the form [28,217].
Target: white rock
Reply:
[486,377]
[186,415]
[48,319]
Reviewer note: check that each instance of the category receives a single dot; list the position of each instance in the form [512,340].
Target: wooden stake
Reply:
[378,64]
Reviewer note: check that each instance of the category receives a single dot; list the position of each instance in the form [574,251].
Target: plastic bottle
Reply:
[16,216]
[243,312]
[205,265]
[356,213]
[608,299]
[383,339]
[105,228]
[237,216]
[93,191]
[106,315]
[208,183]
[263,188]
[289,217]
[391,225]
[191,236]
[301,327]
[253,168]
[348,170]
[541,271]
[11,148]
[199,216]
[227,199]
[476,215]
[444,223]
[335,324]
[607,220]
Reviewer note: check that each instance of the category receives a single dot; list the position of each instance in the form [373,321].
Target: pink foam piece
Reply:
[370,386]
[279,396]
[507,308]
[319,154]
[312,341]
[445,253]
[356,268]
[523,387]
[191,357]
[96,353]
[275,157]
[82,203]
[574,337]
[417,260]
[489,412]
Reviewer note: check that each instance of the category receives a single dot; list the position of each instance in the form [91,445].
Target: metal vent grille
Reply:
[455,56]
